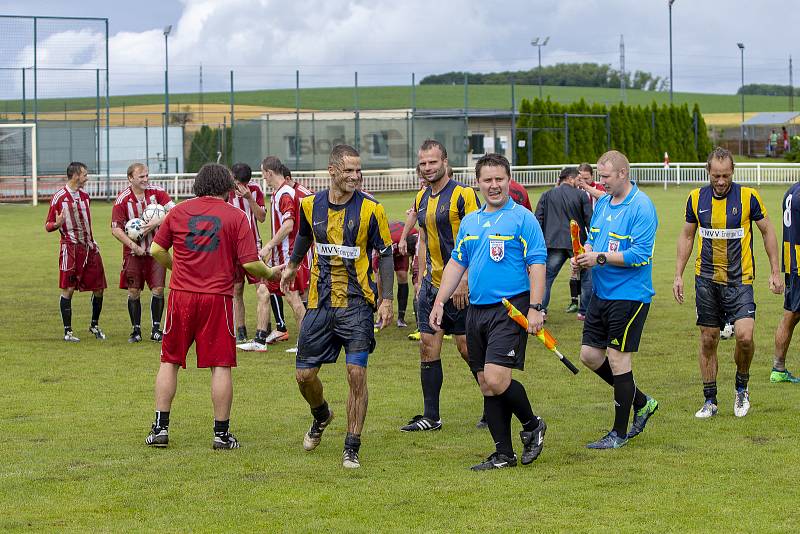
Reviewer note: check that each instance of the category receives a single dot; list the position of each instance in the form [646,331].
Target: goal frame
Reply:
[34,169]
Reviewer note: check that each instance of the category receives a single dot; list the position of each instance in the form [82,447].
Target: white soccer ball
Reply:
[155,212]
[133,229]
[727,331]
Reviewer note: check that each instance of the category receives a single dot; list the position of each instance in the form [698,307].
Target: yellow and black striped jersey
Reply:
[344,238]
[725,228]
[440,216]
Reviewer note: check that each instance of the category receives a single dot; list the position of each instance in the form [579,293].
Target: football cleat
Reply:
[572,308]
[421,423]
[496,460]
[252,346]
[70,337]
[414,336]
[783,376]
[612,440]
[276,336]
[641,416]
[96,332]
[314,434]
[158,437]
[401,323]
[708,409]
[225,441]
[350,459]
[136,336]
[481,424]
[156,335]
[741,403]
[532,442]
[292,350]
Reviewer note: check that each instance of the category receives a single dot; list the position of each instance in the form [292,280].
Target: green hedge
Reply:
[642,133]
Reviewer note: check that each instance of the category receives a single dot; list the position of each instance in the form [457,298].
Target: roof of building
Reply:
[772,118]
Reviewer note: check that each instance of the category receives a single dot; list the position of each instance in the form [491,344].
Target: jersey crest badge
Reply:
[350,224]
[735,211]
[613,246]
[497,250]
[442,208]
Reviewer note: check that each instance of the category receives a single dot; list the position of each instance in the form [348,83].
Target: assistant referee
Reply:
[502,241]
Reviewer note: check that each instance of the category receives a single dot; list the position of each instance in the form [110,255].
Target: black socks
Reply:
[710,391]
[741,380]
[221,427]
[431,377]
[498,419]
[97,307]
[276,303]
[135,312]
[65,305]
[402,300]
[604,372]
[623,400]
[162,420]
[156,310]
[321,412]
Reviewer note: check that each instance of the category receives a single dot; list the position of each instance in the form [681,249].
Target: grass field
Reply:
[427,97]
[74,417]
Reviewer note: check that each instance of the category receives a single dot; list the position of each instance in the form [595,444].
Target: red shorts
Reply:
[400,262]
[300,283]
[240,275]
[136,270]
[81,268]
[205,319]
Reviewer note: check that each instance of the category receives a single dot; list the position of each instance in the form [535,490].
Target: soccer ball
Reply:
[154,212]
[133,229]
[727,331]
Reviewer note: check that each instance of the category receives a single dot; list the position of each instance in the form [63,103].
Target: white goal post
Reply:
[19,177]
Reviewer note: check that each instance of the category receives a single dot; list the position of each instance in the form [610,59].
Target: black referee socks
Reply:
[498,419]
[604,372]
[431,376]
[623,399]
[516,398]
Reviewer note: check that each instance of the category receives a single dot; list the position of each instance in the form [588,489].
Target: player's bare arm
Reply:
[258,212]
[261,270]
[411,220]
[771,246]
[161,255]
[422,260]
[122,237]
[461,294]
[685,245]
[282,233]
[451,277]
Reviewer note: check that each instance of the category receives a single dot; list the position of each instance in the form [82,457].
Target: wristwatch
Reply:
[601,259]
[538,306]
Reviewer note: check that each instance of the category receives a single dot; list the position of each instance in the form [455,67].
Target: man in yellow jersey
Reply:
[724,213]
[345,225]
[440,207]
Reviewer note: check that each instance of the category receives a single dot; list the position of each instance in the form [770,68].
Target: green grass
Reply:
[74,418]
[427,97]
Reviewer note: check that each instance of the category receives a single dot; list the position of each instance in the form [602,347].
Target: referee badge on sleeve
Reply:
[497,250]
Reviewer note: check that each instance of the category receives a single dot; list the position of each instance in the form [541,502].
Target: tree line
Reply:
[767,89]
[642,133]
[561,74]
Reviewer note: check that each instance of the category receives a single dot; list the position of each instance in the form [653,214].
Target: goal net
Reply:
[18,175]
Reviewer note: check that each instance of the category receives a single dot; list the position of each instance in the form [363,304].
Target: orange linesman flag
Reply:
[575,233]
[542,335]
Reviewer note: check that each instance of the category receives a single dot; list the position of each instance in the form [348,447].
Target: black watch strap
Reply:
[538,306]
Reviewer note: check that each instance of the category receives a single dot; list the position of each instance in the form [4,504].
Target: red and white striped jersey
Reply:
[77,226]
[283,207]
[301,192]
[244,205]
[128,206]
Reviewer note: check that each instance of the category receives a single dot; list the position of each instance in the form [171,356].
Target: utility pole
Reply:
[539,46]
[791,86]
[622,69]
[670,51]
[201,93]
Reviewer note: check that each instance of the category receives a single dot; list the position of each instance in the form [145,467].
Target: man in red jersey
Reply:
[248,197]
[519,194]
[209,238]
[138,266]
[283,216]
[80,264]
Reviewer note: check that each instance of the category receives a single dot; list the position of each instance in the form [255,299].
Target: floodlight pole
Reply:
[670,50]
[741,92]
[166,95]
[539,46]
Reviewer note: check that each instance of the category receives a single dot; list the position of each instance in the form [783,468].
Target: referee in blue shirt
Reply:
[619,250]
[503,247]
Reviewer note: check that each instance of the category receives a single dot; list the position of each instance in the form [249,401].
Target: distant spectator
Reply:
[785,139]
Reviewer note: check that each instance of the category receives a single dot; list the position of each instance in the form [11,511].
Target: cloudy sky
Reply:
[265,41]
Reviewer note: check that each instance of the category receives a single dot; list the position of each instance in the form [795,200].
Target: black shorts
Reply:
[614,324]
[493,337]
[453,322]
[719,304]
[791,295]
[326,330]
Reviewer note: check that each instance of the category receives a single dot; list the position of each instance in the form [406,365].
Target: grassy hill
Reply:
[427,97]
